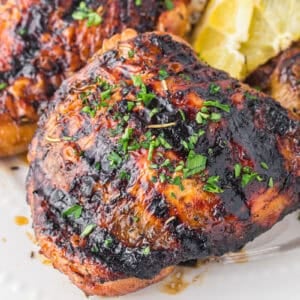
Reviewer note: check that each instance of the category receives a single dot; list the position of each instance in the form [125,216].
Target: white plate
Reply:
[26,278]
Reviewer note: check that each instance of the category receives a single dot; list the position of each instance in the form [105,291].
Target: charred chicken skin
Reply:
[280,77]
[146,161]
[43,42]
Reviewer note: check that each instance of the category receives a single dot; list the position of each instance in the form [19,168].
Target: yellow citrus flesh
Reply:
[238,36]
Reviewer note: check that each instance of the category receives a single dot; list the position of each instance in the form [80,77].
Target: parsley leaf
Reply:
[88,230]
[108,242]
[169,4]
[248,178]
[264,165]
[85,13]
[125,138]
[271,182]
[74,211]
[237,170]
[215,117]
[214,88]
[143,94]
[163,74]
[3,85]
[130,53]
[89,110]
[146,251]
[195,164]
[212,185]
[217,104]
[115,159]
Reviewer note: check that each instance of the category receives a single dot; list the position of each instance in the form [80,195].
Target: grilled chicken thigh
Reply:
[280,77]
[42,42]
[147,160]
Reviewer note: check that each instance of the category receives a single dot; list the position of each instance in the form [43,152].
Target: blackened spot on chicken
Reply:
[87,185]
[59,199]
[191,241]
[158,207]
[110,58]
[277,120]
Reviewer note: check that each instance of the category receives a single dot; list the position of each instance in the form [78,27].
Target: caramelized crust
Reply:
[41,44]
[280,77]
[145,148]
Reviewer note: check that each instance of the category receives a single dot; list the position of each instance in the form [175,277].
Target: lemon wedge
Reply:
[238,36]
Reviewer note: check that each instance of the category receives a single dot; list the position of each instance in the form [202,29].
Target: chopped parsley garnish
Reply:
[180,166]
[95,248]
[259,178]
[195,164]
[264,165]
[130,53]
[3,85]
[215,117]
[74,211]
[135,219]
[177,181]
[145,97]
[201,116]
[146,251]
[124,175]
[250,97]
[22,31]
[143,94]
[130,105]
[115,159]
[182,114]
[185,76]
[153,112]
[154,179]
[201,132]
[154,166]
[217,104]
[116,131]
[271,182]
[85,13]
[237,170]
[163,142]
[166,163]
[248,178]
[153,144]
[106,95]
[162,178]
[108,242]
[210,151]
[169,4]
[214,88]
[97,166]
[88,230]
[138,2]
[89,110]
[212,185]
[163,74]
[173,195]
[137,81]
[124,141]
